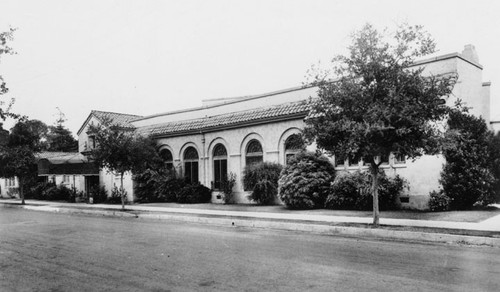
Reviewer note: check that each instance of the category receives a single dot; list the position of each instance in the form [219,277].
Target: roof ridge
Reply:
[116,113]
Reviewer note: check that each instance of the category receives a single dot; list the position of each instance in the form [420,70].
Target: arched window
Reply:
[293,145]
[220,165]
[254,152]
[166,155]
[191,165]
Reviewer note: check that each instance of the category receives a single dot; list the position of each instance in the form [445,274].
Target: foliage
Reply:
[438,201]
[305,181]
[99,194]
[379,103]
[121,151]
[5,37]
[194,193]
[30,133]
[352,191]
[467,177]
[262,179]
[157,186]
[118,195]
[54,192]
[60,138]
[227,186]
[36,191]
[494,159]
[13,192]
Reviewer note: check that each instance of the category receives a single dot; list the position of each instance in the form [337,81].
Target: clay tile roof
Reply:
[229,119]
[120,120]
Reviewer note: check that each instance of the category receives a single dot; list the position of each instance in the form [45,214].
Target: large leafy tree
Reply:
[378,103]
[122,151]
[468,176]
[59,138]
[17,153]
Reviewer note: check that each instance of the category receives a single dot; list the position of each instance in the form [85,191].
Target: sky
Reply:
[147,57]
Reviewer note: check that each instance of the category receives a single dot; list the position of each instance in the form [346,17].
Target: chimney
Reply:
[470,54]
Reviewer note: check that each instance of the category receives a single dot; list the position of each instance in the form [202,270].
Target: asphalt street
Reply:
[42,251]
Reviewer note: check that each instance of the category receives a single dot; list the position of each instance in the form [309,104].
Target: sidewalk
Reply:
[280,218]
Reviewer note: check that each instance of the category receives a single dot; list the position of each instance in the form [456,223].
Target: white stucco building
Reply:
[223,135]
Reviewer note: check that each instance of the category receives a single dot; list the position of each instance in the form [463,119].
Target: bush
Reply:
[116,196]
[158,186]
[305,181]
[438,201]
[352,191]
[227,188]
[57,193]
[348,192]
[13,193]
[191,194]
[467,177]
[37,191]
[262,179]
[99,194]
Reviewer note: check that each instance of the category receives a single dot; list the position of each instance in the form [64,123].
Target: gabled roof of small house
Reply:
[117,119]
[286,111]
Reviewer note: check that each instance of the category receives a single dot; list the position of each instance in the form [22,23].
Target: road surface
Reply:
[60,252]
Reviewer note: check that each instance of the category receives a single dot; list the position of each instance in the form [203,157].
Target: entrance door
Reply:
[91,183]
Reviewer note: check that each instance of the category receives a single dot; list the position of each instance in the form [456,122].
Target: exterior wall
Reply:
[109,180]
[7,191]
[83,138]
[271,136]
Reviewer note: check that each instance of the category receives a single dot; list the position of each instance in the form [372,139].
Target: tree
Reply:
[17,155]
[5,49]
[122,151]
[379,104]
[59,138]
[468,175]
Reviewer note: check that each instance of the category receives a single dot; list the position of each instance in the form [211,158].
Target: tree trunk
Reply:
[122,193]
[376,213]
[21,191]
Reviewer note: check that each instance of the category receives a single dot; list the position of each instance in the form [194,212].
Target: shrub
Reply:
[305,181]
[57,193]
[192,194]
[227,188]
[467,177]
[37,191]
[262,180]
[348,191]
[438,201]
[116,196]
[99,194]
[157,186]
[13,193]
[352,191]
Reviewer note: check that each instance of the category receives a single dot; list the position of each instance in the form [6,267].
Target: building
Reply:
[224,135]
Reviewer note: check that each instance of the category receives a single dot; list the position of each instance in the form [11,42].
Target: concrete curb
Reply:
[312,227]
[358,232]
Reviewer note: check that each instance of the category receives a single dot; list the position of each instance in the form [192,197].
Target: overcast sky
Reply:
[147,57]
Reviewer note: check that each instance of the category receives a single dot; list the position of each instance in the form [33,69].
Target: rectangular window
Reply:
[66,179]
[384,159]
[353,161]
[220,172]
[191,172]
[11,182]
[339,160]
[399,159]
